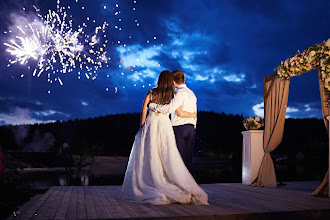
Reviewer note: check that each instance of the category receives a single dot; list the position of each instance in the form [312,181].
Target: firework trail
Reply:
[57,47]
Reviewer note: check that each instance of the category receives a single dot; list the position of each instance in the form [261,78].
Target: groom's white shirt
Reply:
[183,97]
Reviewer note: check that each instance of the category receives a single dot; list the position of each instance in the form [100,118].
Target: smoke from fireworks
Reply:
[52,41]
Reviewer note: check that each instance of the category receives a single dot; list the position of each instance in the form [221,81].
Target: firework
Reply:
[57,47]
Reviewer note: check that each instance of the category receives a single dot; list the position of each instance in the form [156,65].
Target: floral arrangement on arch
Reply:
[316,56]
[253,123]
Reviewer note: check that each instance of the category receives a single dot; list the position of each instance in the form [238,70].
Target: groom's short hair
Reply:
[178,76]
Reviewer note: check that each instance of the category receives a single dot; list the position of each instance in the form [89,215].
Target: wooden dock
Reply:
[227,201]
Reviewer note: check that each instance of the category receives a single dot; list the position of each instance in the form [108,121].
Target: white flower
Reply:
[327,43]
[327,80]
[313,53]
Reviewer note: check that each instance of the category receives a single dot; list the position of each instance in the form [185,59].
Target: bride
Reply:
[155,172]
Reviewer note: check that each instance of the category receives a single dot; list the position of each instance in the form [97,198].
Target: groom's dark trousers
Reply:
[185,138]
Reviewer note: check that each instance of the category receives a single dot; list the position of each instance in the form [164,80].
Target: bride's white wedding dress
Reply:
[156,173]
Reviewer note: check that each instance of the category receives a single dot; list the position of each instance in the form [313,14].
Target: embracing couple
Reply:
[156,172]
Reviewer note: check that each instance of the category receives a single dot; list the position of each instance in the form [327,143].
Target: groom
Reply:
[184,128]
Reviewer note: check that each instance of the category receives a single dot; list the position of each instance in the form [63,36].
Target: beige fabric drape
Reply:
[276,92]
[323,188]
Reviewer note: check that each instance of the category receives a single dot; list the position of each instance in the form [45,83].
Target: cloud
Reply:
[254,86]
[236,78]
[258,109]
[141,75]
[290,109]
[45,113]
[20,116]
[18,112]
[138,56]
[299,111]
[214,50]
[201,78]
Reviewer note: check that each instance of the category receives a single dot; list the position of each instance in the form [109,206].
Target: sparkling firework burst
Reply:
[57,47]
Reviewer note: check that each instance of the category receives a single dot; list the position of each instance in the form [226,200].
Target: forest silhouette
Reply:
[218,138]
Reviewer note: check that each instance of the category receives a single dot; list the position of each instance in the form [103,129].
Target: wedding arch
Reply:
[276,91]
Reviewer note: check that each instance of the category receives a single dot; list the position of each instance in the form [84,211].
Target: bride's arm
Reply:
[184,114]
[145,108]
[170,107]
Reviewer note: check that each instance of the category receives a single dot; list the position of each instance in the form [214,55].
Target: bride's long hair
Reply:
[163,93]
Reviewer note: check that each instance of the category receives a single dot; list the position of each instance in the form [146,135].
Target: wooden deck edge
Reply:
[288,215]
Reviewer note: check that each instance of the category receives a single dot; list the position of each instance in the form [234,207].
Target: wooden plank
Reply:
[42,211]
[112,201]
[90,208]
[120,206]
[101,212]
[216,204]
[190,209]
[226,200]
[62,209]
[232,202]
[259,199]
[153,210]
[81,205]
[106,203]
[33,209]
[53,206]
[172,209]
[197,209]
[305,186]
[71,212]
[133,205]
[280,197]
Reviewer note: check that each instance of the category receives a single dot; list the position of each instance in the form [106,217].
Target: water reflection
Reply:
[63,180]
[84,180]
[203,173]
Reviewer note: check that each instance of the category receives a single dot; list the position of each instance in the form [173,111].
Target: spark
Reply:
[57,47]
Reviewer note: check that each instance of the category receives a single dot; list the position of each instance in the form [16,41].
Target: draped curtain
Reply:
[276,92]
[323,188]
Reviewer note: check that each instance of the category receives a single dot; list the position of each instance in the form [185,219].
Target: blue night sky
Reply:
[225,48]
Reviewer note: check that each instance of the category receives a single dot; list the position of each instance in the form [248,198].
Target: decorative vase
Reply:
[253,128]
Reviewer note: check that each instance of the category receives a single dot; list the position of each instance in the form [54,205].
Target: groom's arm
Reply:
[174,104]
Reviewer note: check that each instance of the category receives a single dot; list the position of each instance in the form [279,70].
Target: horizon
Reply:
[225,49]
[100,116]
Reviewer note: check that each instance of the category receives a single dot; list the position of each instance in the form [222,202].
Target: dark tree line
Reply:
[218,136]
